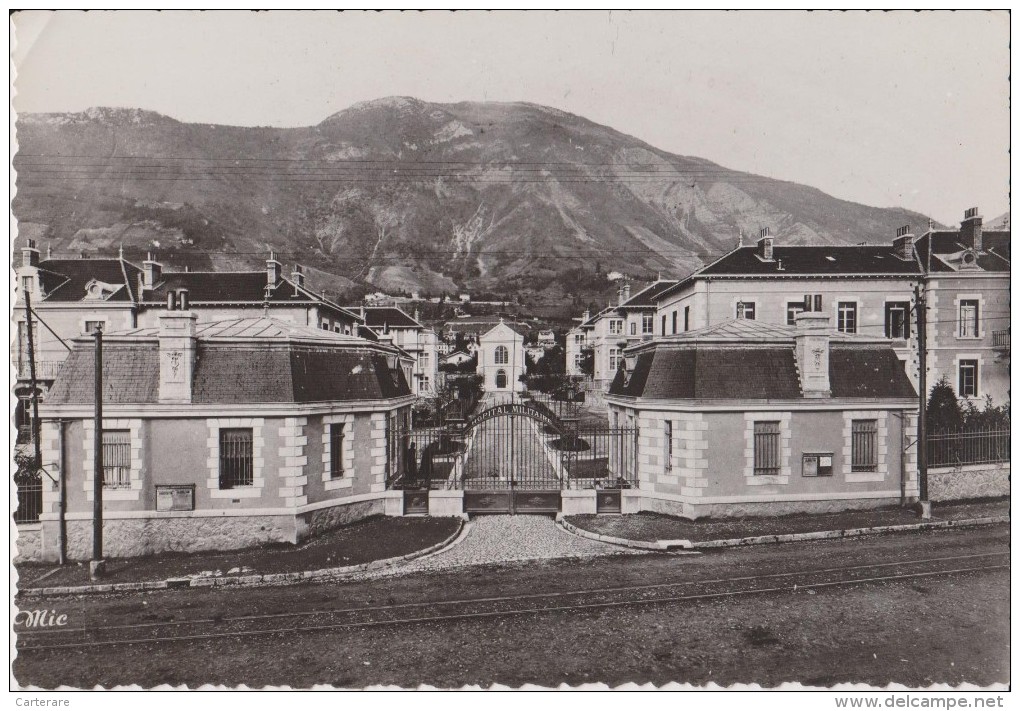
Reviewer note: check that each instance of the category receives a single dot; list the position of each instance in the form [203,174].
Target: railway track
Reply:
[448,611]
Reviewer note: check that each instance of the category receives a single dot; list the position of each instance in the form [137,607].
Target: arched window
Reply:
[501,377]
[502,355]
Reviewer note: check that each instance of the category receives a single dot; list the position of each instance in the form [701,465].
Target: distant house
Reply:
[744,418]
[457,358]
[546,336]
[501,359]
[408,333]
[221,435]
[77,296]
[967,288]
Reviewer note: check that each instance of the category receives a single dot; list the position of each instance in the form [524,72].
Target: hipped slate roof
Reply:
[748,361]
[821,260]
[391,316]
[646,298]
[237,362]
[937,251]
[66,279]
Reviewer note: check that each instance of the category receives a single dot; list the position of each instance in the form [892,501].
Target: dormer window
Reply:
[745,310]
[97,290]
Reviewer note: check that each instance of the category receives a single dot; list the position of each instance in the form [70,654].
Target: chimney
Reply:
[585,316]
[903,245]
[765,245]
[812,353]
[273,270]
[30,255]
[626,292]
[177,345]
[970,230]
[151,272]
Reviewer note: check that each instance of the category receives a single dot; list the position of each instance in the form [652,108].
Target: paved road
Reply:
[880,628]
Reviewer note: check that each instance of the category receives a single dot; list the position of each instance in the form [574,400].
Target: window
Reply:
[687,318]
[116,459]
[968,378]
[26,284]
[578,357]
[969,318]
[426,384]
[667,433]
[647,323]
[863,452]
[745,310]
[391,445]
[766,448]
[846,317]
[897,320]
[674,322]
[93,326]
[336,328]
[336,450]
[633,328]
[792,309]
[615,327]
[614,359]
[325,325]
[236,462]
[578,338]
[423,360]
[502,355]
[664,324]
[812,302]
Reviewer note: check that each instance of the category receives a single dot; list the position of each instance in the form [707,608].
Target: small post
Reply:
[97,564]
[922,379]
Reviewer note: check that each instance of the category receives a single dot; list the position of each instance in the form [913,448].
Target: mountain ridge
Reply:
[402,194]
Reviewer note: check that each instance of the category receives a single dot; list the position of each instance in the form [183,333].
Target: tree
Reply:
[587,364]
[943,408]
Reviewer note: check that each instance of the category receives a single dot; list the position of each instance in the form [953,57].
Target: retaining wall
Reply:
[975,481]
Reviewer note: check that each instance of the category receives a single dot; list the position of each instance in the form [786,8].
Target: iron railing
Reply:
[236,458]
[514,452]
[968,447]
[44,369]
[1000,339]
[30,487]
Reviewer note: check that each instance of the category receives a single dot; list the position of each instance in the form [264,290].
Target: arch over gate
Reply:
[513,457]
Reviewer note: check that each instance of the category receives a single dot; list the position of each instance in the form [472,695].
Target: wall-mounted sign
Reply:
[175,497]
[817,464]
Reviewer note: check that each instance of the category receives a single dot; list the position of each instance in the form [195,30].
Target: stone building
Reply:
[501,361]
[220,435]
[752,418]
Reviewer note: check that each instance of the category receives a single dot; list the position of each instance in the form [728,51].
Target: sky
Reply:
[887,109]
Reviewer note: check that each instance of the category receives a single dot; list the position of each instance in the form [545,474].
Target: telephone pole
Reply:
[922,378]
[33,383]
[96,565]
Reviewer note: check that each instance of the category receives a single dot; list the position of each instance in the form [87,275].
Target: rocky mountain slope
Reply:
[401,194]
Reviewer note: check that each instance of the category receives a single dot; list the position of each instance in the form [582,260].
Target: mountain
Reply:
[400,194]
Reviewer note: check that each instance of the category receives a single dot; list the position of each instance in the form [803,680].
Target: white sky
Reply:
[886,109]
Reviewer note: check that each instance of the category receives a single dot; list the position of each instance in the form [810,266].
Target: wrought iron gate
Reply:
[514,458]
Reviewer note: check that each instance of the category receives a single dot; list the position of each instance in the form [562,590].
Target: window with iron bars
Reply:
[767,448]
[336,450]
[863,450]
[116,459]
[667,433]
[237,467]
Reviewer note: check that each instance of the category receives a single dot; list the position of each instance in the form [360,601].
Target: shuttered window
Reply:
[864,454]
[766,448]
[116,459]
[236,462]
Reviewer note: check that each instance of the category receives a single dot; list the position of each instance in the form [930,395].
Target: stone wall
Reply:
[783,508]
[315,523]
[127,537]
[970,482]
[29,542]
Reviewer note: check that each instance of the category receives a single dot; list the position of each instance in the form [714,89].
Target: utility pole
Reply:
[97,564]
[922,378]
[37,445]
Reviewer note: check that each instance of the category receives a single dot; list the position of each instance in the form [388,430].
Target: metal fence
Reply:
[29,485]
[968,447]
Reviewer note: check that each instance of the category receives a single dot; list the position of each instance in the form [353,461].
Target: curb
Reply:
[246,580]
[683,544]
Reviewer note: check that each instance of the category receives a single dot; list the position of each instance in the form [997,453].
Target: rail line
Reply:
[442,611]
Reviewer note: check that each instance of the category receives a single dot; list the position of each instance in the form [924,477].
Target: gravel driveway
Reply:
[504,539]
